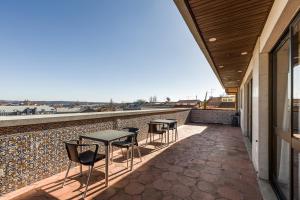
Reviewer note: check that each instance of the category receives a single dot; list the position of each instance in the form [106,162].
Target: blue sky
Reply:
[95,50]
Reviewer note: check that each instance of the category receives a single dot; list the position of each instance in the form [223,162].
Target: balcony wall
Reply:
[211,116]
[31,147]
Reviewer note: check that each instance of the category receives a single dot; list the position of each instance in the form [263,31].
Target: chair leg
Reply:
[70,162]
[88,179]
[122,153]
[139,152]
[165,137]
[150,139]
[80,142]
[112,154]
[127,156]
[173,135]
[80,169]
[147,138]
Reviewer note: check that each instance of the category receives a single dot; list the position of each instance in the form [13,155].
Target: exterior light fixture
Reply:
[212,39]
[221,66]
[244,53]
[240,71]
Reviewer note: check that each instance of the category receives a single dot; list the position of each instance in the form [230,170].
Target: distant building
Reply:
[296,103]
[26,110]
[228,98]
[158,105]
[133,106]
[188,103]
[79,109]
[63,110]
[221,102]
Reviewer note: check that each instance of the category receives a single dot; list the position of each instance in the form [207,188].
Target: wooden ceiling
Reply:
[236,25]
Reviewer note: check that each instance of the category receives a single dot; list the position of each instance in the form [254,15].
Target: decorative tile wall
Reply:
[34,152]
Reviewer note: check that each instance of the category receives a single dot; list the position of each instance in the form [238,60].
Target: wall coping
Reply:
[6,121]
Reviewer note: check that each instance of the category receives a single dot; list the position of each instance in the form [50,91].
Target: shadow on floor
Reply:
[209,164]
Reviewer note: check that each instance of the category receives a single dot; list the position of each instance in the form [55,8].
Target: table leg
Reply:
[109,153]
[132,144]
[106,163]
[168,135]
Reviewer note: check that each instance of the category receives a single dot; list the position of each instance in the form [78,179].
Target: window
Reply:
[285,131]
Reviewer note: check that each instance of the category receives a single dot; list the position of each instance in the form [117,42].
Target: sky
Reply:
[97,50]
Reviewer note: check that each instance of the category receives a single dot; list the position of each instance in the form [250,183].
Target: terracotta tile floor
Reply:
[208,162]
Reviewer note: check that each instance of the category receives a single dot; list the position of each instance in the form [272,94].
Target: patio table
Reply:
[167,122]
[107,137]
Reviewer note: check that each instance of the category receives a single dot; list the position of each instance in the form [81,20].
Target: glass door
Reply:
[296,108]
[285,131]
[281,123]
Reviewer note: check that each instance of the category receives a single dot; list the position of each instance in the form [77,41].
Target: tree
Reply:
[168,99]
[154,99]
[27,102]
[140,101]
[151,99]
[111,104]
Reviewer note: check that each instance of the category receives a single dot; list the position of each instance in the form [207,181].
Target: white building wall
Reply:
[255,103]
[252,72]
[279,18]
[242,109]
[263,111]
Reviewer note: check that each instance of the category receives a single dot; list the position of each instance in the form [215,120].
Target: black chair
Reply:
[127,143]
[172,127]
[87,158]
[156,129]
[235,119]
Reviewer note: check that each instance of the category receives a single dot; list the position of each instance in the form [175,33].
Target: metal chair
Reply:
[156,129]
[127,143]
[172,127]
[87,158]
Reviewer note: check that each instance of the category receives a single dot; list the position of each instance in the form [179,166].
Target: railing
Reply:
[31,147]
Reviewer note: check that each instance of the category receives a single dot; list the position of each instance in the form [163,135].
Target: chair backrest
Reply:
[153,127]
[72,149]
[173,125]
[132,130]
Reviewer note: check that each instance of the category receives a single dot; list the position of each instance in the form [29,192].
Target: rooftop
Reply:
[207,162]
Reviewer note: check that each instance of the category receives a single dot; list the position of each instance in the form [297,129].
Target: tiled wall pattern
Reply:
[34,152]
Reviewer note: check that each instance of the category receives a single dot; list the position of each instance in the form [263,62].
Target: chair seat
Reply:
[166,128]
[86,158]
[124,144]
[160,132]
